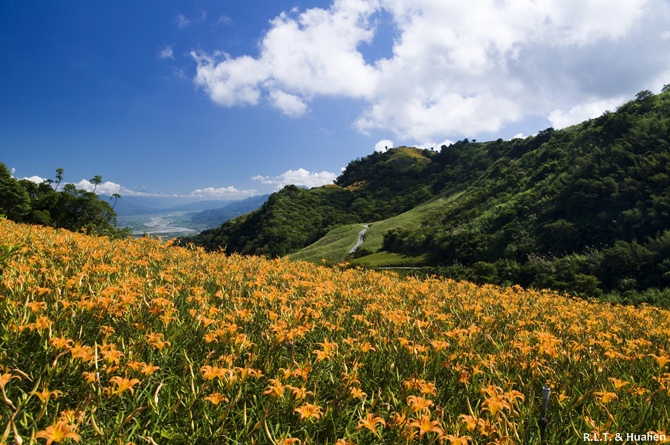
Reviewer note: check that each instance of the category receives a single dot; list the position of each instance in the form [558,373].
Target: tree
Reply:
[643,95]
[116,198]
[14,200]
[59,176]
[96,181]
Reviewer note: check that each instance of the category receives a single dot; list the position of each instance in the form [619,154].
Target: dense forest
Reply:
[584,210]
[587,211]
[69,208]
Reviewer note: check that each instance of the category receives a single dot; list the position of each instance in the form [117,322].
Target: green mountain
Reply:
[584,210]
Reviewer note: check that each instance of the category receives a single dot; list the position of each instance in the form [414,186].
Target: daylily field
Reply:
[138,341]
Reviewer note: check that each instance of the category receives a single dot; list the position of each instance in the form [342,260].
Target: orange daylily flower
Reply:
[59,432]
[299,392]
[45,394]
[5,378]
[82,352]
[469,422]
[148,368]
[419,403]
[357,393]
[123,384]
[61,343]
[661,360]
[370,422]
[606,397]
[309,411]
[425,425]
[216,398]
[618,384]
[213,372]
[276,388]
[458,440]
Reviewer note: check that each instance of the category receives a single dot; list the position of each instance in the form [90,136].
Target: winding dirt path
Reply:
[361,238]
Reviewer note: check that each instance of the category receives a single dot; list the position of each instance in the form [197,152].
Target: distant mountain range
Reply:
[212,217]
[140,213]
[135,205]
[584,210]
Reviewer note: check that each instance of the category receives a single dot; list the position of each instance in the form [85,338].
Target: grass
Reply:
[334,247]
[426,213]
[387,259]
[405,158]
[328,188]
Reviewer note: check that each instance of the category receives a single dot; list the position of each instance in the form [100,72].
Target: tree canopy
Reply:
[70,208]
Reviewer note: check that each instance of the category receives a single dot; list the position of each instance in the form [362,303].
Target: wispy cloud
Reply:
[224,20]
[166,53]
[183,22]
[457,68]
[298,177]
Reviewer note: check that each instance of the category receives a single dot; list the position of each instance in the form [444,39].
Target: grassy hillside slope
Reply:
[335,246]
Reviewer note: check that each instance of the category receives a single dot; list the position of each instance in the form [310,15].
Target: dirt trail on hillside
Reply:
[361,238]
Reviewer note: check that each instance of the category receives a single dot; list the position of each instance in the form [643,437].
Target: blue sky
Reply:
[228,99]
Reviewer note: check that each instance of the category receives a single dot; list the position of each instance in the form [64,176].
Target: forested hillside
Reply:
[585,209]
[373,188]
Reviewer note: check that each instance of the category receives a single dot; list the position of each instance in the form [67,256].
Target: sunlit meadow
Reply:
[138,341]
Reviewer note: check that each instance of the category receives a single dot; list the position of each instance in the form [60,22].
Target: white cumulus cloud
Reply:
[223,193]
[579,113]
[383,145]
[35,179]
[289,104]
[306,54]
[456,68]
[298,177]
[435,145]
[104,188]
